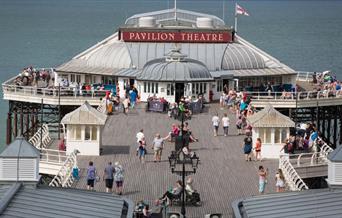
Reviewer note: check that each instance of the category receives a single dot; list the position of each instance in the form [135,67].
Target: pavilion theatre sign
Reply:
[176,36]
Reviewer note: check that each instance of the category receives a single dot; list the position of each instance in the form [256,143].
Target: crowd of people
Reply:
[327,84]
[31,76]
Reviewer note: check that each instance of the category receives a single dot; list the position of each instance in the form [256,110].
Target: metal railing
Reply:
[52,156]
[300,96]
[64,177]
[293,180]
[43,133]
[52,92]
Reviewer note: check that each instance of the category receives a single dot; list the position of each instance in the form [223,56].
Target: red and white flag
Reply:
[240,10]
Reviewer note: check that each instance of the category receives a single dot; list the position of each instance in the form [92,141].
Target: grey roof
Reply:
[175,67]
[85,114]
[304,204]
[270,117]
[336,155]
[112,55]
[223,74]
[169,14]
[263,72]
[237,57]
[60,202]
[20,148]
[128,72]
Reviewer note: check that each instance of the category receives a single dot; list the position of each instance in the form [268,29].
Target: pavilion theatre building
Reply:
[173,53]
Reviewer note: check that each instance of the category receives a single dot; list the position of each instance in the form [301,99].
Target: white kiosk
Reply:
[84,127]
[273,128]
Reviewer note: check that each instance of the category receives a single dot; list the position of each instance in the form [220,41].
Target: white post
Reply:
[235,26]
[175,9]
[223,6]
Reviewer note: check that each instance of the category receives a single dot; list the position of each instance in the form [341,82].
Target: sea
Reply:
[306,35]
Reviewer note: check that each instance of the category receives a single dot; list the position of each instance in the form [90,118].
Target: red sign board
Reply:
[195,37]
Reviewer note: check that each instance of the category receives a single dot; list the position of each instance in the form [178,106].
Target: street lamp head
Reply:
[194,162]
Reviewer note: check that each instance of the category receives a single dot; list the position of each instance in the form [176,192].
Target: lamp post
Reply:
[179,158]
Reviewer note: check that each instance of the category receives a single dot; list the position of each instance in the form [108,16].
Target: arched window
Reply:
[87,133]
[94,133]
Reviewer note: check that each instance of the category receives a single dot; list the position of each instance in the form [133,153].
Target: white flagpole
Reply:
[223,7]
[175,9]
[235,26]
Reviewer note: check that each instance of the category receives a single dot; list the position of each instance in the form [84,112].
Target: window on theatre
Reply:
[170,89]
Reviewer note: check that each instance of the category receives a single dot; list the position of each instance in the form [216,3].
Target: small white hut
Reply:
[19,162]
[273,128]
[84,126]
[335,168]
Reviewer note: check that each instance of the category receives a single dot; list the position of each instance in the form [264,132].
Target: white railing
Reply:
[64,177]
[283,96]
[304,76]
[293,180]
[52,92]
[52,156]
[41,139]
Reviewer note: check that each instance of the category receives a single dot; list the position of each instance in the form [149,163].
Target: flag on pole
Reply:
[240,10]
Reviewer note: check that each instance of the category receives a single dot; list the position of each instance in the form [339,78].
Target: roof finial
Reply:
[175,9]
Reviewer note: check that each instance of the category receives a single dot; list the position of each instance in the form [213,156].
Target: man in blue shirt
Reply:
[133,98]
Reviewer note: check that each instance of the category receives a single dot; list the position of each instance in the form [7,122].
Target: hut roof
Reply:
[270,117]
[20,148]
[85,114]
[336,155]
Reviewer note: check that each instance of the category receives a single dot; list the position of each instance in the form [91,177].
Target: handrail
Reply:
[64,176]
[55,156]
[300,96]
[292,178]
[36,138]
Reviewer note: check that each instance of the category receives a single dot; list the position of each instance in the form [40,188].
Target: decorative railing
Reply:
[52,156]
[41,139]
[293,180]
[283,96]
[64,177]
[52,92]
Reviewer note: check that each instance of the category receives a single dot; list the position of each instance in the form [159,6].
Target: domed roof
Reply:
[175,67]
[237,57]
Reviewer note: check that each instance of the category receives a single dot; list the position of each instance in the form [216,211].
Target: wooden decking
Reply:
[222,176]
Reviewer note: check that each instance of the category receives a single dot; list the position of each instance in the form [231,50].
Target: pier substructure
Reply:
[328,120]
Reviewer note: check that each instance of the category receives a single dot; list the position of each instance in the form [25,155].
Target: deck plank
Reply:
[222,176]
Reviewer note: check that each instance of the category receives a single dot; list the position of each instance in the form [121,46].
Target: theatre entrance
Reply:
[179,91]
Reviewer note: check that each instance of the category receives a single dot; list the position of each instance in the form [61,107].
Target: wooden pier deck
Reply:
[222,176]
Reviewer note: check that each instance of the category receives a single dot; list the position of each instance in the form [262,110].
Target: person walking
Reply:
[280,181]
[91,175]
[133,98]
[247,148]
[126,103]
[142,150]
[216,122]
[108,176]
[225,124]
[262,179]
[258,149]
[157,146]
[140,135]
[118,178]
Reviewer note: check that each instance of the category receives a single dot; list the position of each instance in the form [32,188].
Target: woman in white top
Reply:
[280,181]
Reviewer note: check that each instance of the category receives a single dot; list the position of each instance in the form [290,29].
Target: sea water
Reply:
[306,35]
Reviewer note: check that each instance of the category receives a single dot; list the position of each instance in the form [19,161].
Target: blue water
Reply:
[306,35]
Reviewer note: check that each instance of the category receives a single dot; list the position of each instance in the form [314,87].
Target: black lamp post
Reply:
[178,158]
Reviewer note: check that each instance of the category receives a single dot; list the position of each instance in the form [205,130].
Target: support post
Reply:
[21,120]
[323,122]
[59,112]
[41,122]
[27,124]
[15,122]
[335,126]
[9,128]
